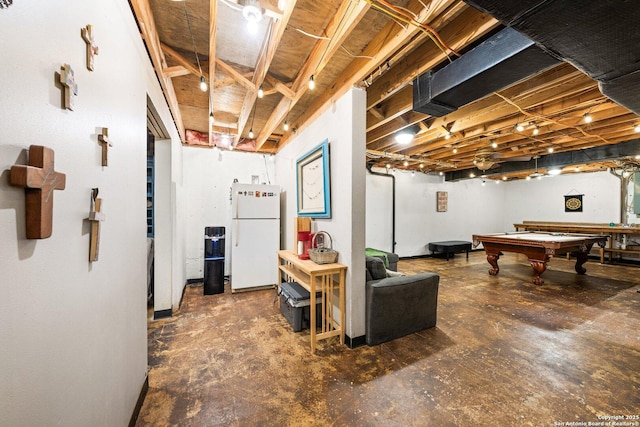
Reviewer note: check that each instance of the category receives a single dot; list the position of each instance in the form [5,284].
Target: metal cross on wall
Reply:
[68,80]
[92,48]
[39,179]
[106,143]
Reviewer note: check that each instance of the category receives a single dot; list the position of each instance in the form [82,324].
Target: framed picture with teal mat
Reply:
[313,182]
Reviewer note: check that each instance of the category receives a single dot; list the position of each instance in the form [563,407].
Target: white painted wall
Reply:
[543,200]
[73,334]
[208,175]
[491,208]
[472,208]
[344,126]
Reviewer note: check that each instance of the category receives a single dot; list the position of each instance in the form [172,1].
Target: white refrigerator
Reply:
[255,235]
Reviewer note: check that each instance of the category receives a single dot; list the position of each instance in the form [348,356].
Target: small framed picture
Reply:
[441,201]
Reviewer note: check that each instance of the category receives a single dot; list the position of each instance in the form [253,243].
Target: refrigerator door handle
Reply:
[237,223]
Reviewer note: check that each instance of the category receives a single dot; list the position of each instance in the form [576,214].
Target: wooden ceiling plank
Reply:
[144,16]
[180,59]
[434,139]
[175,71]
[235,75]
[264,63]
[280,87]
[229,81]
[470,25]
[395,106]
[213,14]
[387,41]
[340,26]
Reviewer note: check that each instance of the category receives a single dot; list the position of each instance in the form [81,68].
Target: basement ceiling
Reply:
[384,46]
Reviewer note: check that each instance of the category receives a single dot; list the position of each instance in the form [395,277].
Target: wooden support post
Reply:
[39,179]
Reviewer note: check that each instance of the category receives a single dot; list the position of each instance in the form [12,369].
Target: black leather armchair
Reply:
[398,306]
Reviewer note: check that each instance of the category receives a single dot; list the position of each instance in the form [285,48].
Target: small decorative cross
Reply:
[39,179]
[106,143]
[92,48]
[95,216]
[68,80]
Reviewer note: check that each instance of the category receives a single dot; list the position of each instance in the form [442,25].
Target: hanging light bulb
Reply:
[231,147]
[447,135]
[421,165]
[312,83]
[636,128]
[550,149]
[251,133]
[440,173]
[536,130]
[260,92]
[494,144]
[588,118]
[519,127]
[455,151]
[405,163]
[285,126]
[203,84]
[413,173]
[211,117]
[388,165]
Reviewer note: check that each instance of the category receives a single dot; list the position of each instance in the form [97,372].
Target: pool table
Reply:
[538,247]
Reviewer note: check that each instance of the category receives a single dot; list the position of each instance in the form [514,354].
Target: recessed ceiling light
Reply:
[404,137]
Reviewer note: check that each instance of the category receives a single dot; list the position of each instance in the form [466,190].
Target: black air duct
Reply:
[600,38]
[500,61]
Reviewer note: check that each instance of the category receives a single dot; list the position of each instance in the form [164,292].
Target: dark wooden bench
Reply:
[450,247]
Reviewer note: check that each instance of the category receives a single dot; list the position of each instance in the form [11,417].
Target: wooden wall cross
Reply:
[92,48]
[106,143]
[95,216]
[68,80]
[39,179]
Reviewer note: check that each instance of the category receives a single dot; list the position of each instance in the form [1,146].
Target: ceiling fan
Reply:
[485,160]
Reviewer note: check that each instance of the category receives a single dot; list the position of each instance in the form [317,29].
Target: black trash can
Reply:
[214,240]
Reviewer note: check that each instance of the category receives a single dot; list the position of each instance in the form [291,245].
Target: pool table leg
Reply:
[493,260]
[581,258]
[538,268]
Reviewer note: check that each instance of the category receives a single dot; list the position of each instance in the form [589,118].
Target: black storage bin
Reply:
[294,305]
[214,260]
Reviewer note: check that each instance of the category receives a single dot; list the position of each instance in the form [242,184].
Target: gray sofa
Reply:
[398,306]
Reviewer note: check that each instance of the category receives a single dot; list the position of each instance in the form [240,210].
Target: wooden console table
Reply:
[325,278]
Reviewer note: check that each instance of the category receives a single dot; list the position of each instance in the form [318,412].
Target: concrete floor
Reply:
[505,352]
